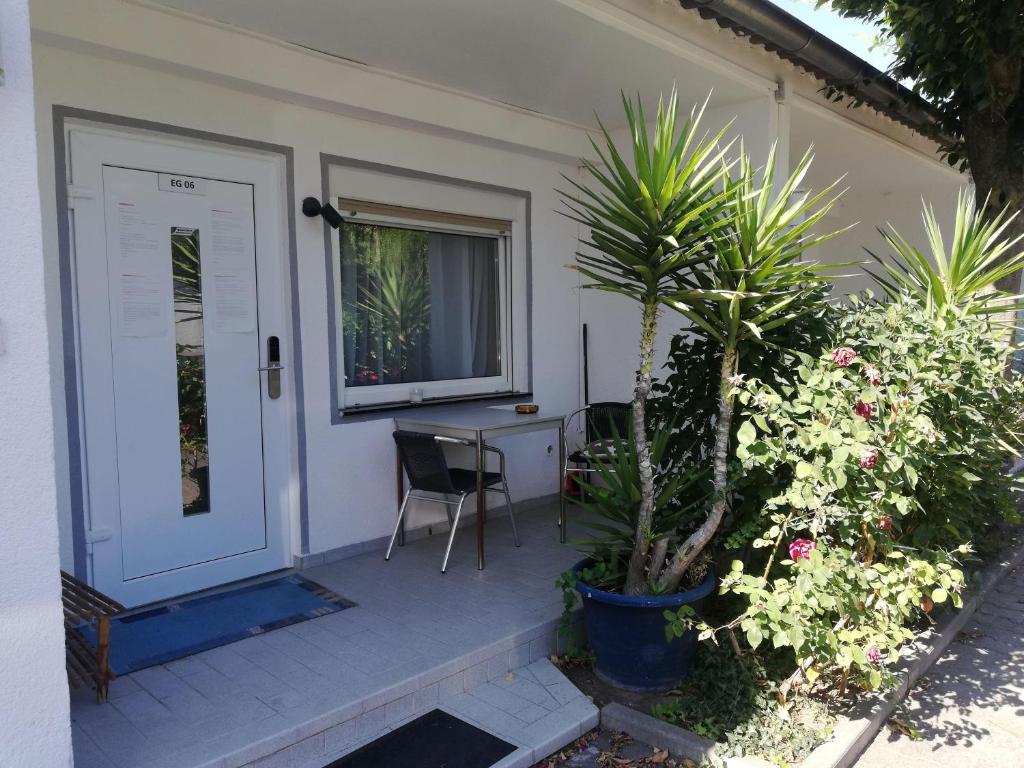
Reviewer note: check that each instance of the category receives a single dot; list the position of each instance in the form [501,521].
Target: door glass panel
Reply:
[191,359]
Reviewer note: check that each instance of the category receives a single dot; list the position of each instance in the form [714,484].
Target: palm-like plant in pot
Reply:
[681,228]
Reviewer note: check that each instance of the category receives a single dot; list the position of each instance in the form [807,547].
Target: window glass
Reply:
[418,305]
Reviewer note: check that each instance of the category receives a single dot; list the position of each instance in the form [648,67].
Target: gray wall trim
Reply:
[70,360]
[61,114]
[326,162]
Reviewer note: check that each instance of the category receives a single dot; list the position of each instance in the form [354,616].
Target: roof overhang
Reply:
[781,33]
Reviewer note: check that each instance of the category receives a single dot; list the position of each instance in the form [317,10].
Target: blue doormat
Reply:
[181,629]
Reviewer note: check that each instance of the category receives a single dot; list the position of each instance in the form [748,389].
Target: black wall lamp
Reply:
[313,208]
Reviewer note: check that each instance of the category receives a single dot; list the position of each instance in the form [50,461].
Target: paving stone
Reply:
[497,666]
[426,698]
[451,686]
[519,656]
[294,755]
[475,675]
[531,713]
[191,707]
[528,688]
[417,639]
[371,723]
[287,699]
[340,736]
[399,710]
[969,709]
[541,648]
[500,697]
[190,665]
[160,682]
[119,687]
[545,672]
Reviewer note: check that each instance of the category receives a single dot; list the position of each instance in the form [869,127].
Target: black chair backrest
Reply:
[424,462]
[607,420]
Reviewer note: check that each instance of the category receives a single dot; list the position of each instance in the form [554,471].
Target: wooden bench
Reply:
[87,666]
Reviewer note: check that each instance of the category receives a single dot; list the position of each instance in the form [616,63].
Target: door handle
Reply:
[273,367]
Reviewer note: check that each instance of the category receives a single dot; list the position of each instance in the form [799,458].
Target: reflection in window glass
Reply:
[191,359]
[418,306]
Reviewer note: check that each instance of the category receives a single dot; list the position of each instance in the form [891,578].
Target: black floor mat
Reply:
[433,740]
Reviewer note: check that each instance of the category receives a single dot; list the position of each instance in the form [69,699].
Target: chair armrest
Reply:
[452,440]
[460,441]
[501,458]
[565,435]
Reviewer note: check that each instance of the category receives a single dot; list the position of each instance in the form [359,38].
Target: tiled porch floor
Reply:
[303,695]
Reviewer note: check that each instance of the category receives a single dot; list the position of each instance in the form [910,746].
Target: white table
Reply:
[478,424]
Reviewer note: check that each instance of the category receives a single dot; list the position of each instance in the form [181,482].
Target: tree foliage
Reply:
[965,56]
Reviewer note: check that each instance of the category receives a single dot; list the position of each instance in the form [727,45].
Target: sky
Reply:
[854,35]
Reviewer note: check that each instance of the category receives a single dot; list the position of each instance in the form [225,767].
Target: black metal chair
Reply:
[599,422]
[422,457]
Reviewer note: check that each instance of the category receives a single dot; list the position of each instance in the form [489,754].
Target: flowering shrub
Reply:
[839,613]
[800,549]
[891,449]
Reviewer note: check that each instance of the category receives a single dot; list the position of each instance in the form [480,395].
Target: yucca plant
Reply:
[965,275]
[611,495]
[188,300]
[649,218]
[397,302]
[756,281]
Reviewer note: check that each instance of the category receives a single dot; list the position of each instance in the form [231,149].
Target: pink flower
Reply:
[843,356]
[800,549]
[868,458]
[874,655]
[873,375]
[864,410]
[885,523]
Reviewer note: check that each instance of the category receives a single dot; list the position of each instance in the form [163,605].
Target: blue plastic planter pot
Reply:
[627,636]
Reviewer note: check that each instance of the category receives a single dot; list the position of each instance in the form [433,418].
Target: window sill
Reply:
[390,410]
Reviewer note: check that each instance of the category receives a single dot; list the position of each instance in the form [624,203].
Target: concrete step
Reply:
[535,707]
[302,695]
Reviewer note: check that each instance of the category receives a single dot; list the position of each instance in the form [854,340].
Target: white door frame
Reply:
[90,146]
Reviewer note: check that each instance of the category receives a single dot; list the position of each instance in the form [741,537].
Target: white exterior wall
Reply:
[35,728]
[131,61]
[884,182]
[350,470]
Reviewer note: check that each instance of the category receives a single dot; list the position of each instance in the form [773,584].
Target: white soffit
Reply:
[538,55]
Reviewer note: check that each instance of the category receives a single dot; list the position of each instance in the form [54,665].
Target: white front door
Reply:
[179,307]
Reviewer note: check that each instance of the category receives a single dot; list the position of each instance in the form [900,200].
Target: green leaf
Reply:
[746,434]
[939,595]
[754,637]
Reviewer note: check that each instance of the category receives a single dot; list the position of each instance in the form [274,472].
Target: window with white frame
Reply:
[425,304]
